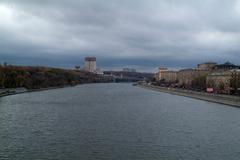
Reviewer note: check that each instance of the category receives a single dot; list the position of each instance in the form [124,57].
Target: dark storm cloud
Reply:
[128,32]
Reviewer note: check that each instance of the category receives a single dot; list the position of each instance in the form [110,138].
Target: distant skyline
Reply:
[142,34]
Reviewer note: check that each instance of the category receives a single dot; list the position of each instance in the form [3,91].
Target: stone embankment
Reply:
[217,98]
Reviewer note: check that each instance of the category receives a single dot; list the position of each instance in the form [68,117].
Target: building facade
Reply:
[186,76]
[208,66]
[90,64]
[166,75]
[226,66]
[159,75]
[220,81]
[170,76]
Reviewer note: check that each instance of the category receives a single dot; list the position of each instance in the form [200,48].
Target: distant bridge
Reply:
[120,76]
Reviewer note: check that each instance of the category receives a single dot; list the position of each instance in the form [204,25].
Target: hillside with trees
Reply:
[44,77]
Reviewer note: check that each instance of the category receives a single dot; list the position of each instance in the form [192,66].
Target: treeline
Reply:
[44,77]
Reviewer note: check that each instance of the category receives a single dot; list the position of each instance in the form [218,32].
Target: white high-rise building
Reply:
[90,64]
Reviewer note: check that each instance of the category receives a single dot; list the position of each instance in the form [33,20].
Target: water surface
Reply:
[116,121]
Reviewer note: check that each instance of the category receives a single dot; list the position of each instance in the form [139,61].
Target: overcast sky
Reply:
[143,34]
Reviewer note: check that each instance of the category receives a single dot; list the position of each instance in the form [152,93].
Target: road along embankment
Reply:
[216,98]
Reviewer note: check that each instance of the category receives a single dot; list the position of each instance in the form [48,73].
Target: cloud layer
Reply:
[120,32]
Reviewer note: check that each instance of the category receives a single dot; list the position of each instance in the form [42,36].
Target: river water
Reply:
[116,122]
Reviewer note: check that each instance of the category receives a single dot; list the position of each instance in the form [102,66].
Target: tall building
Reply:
[90,64]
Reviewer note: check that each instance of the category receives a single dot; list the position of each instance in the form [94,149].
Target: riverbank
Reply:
[216,98]
[14,91]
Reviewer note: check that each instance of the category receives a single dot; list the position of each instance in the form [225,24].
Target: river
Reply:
[116,122]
